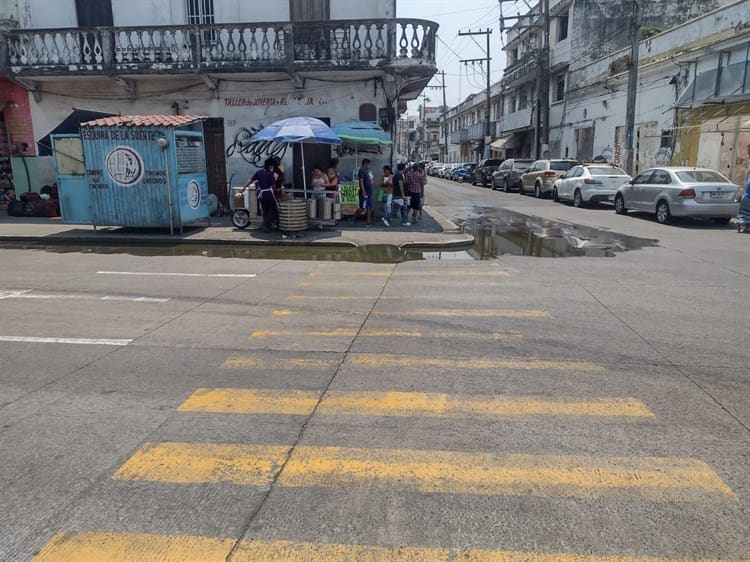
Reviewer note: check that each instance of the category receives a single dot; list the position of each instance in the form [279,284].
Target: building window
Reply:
[200,12]
[560,87]
[523,99]
[368,112]
[562,27]
[310,10]
[513,56]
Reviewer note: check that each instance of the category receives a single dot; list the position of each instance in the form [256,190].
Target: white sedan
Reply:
[589,183]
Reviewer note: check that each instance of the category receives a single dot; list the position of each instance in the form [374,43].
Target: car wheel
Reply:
[538,191]
[722,220]
[620,205]
[240,218]
[506,187]
[663,215]
[555,195]
[577,199]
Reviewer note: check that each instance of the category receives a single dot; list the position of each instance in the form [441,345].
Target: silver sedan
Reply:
[679,192]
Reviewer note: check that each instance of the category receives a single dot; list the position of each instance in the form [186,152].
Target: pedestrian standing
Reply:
[398,199]
[365,192]
[387,184]
[265,181]
[423,173]
[416,189]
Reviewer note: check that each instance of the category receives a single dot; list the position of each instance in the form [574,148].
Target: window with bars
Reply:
[200,11]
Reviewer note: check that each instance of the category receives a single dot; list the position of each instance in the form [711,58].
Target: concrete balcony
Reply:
[459,136]
[516,121]
[520,70]
[401,45]
[476,131]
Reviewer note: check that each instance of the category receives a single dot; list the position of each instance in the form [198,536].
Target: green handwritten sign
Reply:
[349,198]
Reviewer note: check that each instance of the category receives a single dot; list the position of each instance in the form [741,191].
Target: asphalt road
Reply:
[522,409]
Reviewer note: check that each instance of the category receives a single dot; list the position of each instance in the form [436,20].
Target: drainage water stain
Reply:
[500,232]
[364,254]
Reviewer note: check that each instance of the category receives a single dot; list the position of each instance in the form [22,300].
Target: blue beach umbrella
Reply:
[298,130]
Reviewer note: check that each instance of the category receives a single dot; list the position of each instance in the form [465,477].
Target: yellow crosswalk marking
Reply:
[372,360]
[447,472]
[131,547]
[257,361]
[337,333]
[185,463]
[403,404]
[127,547]
[378,361]
[462,313]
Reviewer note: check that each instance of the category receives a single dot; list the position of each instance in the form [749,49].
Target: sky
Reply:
[474,15]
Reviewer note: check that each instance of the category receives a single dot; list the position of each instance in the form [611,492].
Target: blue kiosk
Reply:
[144,171]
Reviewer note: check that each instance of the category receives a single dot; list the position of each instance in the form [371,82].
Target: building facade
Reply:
[244,63]
[587,73]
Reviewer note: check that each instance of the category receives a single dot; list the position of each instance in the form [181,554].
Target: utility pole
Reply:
[445,113]
[488,119]
[543,83]
[632,90]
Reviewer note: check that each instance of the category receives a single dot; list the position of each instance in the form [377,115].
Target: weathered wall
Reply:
[603,26]
[245,109]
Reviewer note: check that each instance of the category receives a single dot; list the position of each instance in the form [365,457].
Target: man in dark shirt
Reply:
[399,197]
[265,183]
[365,192]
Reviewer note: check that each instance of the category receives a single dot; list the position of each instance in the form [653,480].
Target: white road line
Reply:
[29,294]
[73,341]
[155,274]
[12,294]
[135,299]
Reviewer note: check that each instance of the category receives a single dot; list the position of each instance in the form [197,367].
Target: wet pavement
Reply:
[500,232]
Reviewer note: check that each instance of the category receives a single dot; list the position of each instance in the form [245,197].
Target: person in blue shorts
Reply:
[365,192]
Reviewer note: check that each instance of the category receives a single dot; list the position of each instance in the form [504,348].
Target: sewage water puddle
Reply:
[500,232]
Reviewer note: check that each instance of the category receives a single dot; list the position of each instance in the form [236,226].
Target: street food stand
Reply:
[145,171]
[299,207]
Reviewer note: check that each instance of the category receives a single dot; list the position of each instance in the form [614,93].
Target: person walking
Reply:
[265,183]
[416,190]
[365,192]
[399,198]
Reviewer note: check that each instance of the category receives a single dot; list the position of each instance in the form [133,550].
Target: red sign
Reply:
[17,112]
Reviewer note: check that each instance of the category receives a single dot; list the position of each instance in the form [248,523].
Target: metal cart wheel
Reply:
[241,218]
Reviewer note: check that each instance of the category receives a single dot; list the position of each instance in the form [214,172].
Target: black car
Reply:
[485,169]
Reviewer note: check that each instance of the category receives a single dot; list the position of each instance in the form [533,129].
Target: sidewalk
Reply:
[433,232]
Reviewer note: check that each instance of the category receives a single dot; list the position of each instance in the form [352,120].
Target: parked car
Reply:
[540,178]
[484,170]
[445,170]
[508,174]
[465,172]
[452,169]
[589,183]
[679,192]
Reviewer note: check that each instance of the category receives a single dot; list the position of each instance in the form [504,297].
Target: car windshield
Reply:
[606,171]
[493,162]
[701,176]
[561,166]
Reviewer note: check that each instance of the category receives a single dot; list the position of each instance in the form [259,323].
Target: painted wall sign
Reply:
[194,194]
[124,165]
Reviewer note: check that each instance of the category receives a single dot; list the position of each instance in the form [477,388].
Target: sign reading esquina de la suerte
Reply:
[123,156]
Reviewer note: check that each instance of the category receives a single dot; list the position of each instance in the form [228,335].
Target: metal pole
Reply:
[632,90]
[445,118]
[546,79]
[488,122]
[169,192]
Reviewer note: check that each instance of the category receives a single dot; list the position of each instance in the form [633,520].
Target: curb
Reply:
[448,226]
